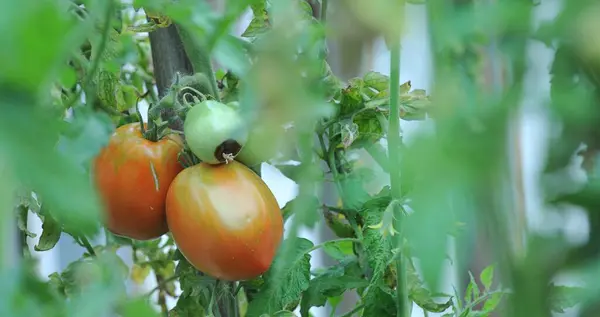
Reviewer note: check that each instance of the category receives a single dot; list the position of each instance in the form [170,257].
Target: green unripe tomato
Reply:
[214,132]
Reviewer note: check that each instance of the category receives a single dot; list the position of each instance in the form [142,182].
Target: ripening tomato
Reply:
[224,220]
[133,175]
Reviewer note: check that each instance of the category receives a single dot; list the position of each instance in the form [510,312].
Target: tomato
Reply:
[133,176]
[224,220]
[214,131]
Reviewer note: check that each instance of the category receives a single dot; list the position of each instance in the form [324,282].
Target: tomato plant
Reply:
[80,78]
[224,220]
[133,175]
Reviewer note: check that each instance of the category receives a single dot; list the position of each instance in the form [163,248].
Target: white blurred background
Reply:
[531,132]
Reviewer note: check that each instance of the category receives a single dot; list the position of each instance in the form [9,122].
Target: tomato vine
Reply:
[187,205]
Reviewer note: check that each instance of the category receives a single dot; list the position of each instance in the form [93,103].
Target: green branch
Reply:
[394,144]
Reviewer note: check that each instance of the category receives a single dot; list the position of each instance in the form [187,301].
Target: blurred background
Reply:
[352,55]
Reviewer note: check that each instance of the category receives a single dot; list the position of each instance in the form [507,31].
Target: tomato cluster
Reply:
[222,216]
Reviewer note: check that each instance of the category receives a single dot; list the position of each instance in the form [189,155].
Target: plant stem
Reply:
[394,143]
[86,244]
[352,312]
[162,283]
[200,59]
[324,11]
[162,296]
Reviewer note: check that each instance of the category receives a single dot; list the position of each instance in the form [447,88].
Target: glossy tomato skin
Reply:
[133,175]
[224,220]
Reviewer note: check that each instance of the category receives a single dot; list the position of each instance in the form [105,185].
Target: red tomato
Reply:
[133,176]
[224,220]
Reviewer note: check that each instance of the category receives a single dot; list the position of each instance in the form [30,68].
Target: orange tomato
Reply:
[133,176]
[224,220]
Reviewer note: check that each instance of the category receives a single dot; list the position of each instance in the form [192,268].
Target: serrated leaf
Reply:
[349,131]
[492,302]
[472,291]
[51,232]
[307,206]
[376,81]
[288,277]
[334,281]
[323,287]
[564,297]
[260,22]
[22,214]
[487,277]
[379,302]
[338,250]
[377,248]
[422,296]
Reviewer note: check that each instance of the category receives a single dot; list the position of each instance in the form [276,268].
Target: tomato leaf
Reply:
[288,277]
[308,205]
[379,301]
[260,22]
[334,282]
[51,232]
[376,81]
[422,296]
[492,302]
[487,277]
[338,249]
[377,248]
[22,212]
[564,297]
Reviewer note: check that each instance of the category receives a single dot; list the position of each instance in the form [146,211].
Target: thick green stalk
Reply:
[394,144]
[200,59]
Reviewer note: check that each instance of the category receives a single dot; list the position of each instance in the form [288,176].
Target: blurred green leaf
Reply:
[51,232]
[564,297]
[472,292]
[487,277]
[67,191]
[296,205]
[421,295]
[260,22]
[283,287]
[138,307]
[37,35]
[22,212]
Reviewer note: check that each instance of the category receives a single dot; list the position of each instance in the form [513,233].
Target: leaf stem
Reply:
[86,244]
[394,144]
[162,284]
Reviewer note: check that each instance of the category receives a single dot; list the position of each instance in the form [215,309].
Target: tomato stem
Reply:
[139,113]
[394,145]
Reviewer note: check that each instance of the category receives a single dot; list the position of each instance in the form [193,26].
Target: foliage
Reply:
[73,71]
